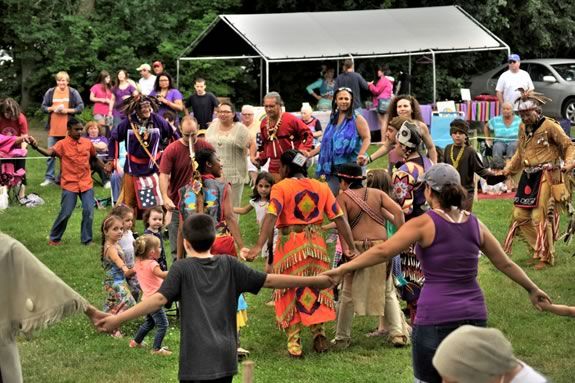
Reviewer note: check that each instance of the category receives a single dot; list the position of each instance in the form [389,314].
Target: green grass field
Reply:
[72,351]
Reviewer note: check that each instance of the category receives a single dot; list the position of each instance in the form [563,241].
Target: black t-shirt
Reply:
[208,290]
[203,108]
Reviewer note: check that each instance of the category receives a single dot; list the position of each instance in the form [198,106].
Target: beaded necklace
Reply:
[455,161]
[273,130]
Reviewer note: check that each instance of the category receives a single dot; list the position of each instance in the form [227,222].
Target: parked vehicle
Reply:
[555,78]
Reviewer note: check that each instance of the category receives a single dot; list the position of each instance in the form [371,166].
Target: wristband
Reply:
[369,159]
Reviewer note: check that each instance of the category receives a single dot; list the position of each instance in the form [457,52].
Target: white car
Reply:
[555,78]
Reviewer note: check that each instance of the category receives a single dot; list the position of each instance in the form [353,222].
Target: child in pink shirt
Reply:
[150,276]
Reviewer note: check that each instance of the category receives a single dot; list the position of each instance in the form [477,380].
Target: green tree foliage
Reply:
[86,36]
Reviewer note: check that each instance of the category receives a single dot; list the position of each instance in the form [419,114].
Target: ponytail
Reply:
[451,195]
[144,244]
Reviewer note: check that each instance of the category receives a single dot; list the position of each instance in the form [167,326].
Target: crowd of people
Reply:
[173,161]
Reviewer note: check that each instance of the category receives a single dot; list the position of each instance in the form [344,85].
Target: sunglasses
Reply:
[511,62]
[346,89]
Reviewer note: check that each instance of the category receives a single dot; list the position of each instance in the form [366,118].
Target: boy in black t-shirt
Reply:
[466,161]
[208,288]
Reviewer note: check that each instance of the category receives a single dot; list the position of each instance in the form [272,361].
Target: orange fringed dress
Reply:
[300,205]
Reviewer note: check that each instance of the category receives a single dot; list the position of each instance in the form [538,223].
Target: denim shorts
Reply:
[425,341]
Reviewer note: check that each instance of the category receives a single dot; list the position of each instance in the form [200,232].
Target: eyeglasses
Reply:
[247,114]
[224,111]
[511,62]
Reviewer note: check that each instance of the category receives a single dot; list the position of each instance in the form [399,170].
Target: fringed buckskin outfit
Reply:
[300,205]
[539,151]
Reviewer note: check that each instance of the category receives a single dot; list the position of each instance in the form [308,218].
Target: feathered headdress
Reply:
[530,99]
[133,103]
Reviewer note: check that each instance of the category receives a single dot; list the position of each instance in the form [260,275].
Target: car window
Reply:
[567,71]
[498,74]
[537,71]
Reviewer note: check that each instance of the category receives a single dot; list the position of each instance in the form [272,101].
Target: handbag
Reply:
[559,190]
[383,105]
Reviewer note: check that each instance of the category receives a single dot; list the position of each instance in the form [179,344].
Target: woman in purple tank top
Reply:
[451,296]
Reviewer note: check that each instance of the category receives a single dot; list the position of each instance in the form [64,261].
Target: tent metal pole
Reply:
[267,76]
[261,79]
[409,71]
[178,73]
[434,76]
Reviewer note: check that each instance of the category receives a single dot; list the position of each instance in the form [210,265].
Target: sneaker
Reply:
[242,352]
[107,185]
[134,344]
[163,351]
[46,183]
[54,243]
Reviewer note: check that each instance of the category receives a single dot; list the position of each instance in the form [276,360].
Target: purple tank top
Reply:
[451,292]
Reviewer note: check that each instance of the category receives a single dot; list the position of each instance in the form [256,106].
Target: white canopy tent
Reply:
[318,36]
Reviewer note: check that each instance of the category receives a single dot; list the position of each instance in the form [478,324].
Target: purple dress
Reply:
[451,292]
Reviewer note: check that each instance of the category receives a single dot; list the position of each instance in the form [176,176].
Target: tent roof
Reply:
[322,35]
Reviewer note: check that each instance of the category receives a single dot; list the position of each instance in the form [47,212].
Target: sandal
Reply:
[399,341]
[376,333]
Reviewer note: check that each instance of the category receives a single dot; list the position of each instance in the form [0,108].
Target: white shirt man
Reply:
[147,81]
[511,80]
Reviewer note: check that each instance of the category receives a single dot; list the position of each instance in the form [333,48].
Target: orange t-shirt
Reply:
[75,163]
[58,121]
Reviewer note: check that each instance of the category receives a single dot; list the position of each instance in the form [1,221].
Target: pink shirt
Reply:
[100,91]
[149,282]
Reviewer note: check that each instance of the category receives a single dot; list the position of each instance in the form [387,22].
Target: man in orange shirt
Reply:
[59,102]
[75,153]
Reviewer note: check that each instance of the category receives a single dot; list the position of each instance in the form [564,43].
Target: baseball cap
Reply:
[440,175]
[474,355]
[157,64]
[144,66]
[514,57]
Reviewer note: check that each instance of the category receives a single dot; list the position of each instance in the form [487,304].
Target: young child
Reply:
[208,288]
[126,214]
[466,160]
[119,297]
[100,144]
[259,202]
[150,276]
[75,153]
[154,219]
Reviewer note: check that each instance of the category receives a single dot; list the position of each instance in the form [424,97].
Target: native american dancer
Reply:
[297,206]
[142,132]
[408,187]
[541,146]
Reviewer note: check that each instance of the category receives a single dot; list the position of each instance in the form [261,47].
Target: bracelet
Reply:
[369,158]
